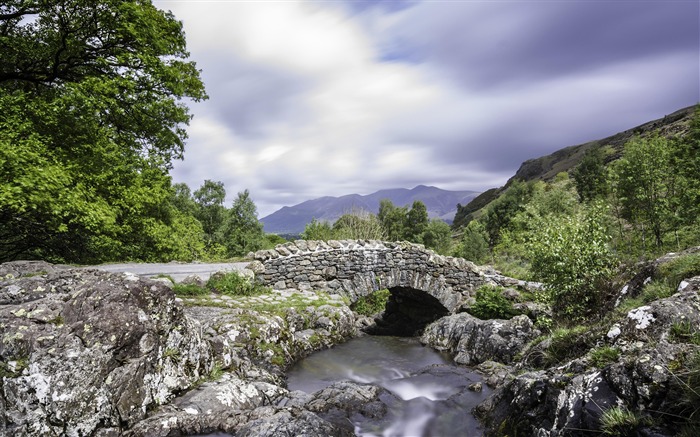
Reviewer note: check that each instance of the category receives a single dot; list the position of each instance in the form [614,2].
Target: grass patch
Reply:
[602,356]
[189,290]
[567,343]
[619,421]
[683,267]
[371,304]
[685,332]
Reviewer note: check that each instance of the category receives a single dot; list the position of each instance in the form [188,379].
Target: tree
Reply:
[646,183]
[571,256]
[393,219]
[590,176]
[502,210]
[317,230]
[243,232]
[416,222]
[92,118]
[474,244]
[358,224]
[211,212]
[438,236]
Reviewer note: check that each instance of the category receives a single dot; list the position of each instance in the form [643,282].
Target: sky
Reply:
[327,98]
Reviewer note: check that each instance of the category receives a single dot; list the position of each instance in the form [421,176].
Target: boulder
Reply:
[473,341]
[86,349]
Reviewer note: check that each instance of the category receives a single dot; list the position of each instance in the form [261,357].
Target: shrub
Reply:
[189,290]
[233,284]
[491,304]
[571,257]
[372,303]
[683,267]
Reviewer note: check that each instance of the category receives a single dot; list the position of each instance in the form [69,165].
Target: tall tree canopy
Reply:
[93,116]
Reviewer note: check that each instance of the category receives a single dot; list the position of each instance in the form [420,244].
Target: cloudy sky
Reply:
[314,98]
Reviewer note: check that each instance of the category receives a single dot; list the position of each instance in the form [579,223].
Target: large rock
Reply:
[84,350]
[473,341]
[569,399]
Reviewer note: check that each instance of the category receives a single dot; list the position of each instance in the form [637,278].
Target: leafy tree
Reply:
[92,119]
[474,244]
[210,211]
[438,236]
[590,176]
[243,232]
[393,219]
[317,230]
[182,199]
[646,184]
[358,225]
[502,210]
[416,222]
[571,256]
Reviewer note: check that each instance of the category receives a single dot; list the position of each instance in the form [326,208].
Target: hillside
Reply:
[292,219]
[563,160]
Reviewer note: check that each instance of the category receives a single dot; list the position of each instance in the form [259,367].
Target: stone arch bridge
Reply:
[424,285]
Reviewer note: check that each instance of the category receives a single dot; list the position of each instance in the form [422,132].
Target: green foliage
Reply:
[566,343]
[570,255]
[491,304]
[687,385]
[233,284]
[92,119]
[438,236]
[317,230]
[358,225]
[243,232]
[474,245]
[189,290]
[683,267]
[210,210]
[501,211]
[393,219]
[416,222]
[619,421]
[590,176]
[372,303]
[465,214]
[685,332]
[601,356]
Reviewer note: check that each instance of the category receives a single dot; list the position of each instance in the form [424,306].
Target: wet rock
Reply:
[291,422]
[343,401]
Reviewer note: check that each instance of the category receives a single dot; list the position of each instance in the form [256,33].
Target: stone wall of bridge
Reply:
[356,268]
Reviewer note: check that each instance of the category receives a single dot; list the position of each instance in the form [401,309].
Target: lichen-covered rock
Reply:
[569,399]
[473,341]
[84,349]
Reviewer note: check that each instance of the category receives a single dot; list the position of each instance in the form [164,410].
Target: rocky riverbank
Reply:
[93,353]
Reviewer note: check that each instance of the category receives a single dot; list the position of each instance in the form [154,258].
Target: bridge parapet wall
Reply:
[356,268]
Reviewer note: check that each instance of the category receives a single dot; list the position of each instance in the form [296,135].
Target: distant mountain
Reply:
[292,219]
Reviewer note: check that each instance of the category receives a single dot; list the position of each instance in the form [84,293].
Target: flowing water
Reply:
[431,396]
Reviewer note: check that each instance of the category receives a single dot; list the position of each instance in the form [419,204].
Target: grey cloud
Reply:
[503,43]
[250,97]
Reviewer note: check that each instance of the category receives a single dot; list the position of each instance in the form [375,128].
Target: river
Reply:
[432,396]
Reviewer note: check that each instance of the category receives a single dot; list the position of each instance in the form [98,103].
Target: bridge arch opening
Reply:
[407,312]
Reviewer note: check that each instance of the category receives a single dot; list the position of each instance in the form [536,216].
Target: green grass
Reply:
[619,421]
[602,356]
[685,332]
[491,304]
[234,284]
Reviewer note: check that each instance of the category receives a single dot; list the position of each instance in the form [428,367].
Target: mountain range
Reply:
[292,219]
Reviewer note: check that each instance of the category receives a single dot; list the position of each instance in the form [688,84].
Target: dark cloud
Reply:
[249,96]
[500,43]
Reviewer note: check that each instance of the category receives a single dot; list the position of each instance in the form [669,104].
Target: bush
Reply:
[571,257]
[372,303]
[233,284]
[491,304]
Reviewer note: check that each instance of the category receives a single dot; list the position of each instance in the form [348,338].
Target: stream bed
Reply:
[430,396]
